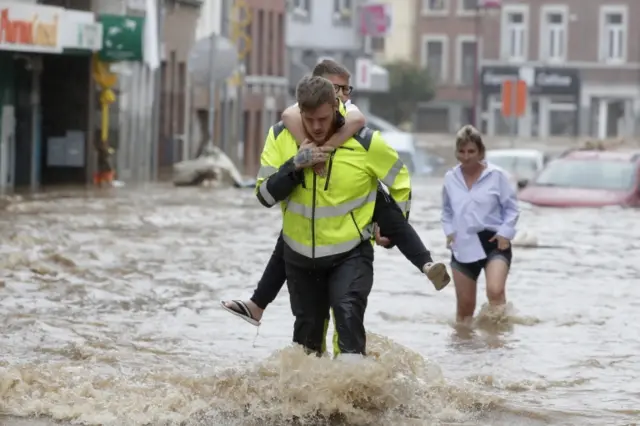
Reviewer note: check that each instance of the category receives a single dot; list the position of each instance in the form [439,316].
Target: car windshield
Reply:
[522,167]
[588,174]
[377,123]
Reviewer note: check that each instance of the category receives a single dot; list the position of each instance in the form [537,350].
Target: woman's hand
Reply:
[380,240]
[450,239]
[503,243]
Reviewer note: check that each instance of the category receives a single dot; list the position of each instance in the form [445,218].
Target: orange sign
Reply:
[514,98]
[30,28]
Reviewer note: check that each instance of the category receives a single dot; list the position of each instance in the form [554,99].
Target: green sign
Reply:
[122,38]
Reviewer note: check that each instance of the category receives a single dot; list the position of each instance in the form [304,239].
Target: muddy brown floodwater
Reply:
[109,316]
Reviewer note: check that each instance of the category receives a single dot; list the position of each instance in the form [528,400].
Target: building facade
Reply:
[178,36]
[447,39]
[46,118]
[257,99]
[580,60]
[398,44]
[134,129]
[320,29]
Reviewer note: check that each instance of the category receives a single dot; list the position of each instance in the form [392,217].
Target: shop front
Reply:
[552,104]
[44,93]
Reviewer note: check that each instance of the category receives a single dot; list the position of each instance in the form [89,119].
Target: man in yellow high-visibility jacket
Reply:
[327,220]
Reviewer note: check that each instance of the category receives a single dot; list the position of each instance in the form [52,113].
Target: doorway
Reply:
[23,119]
[65,86]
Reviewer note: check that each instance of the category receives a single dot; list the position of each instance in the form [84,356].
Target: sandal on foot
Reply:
[240,309]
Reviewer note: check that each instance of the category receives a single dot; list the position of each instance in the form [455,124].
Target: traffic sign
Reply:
[514,98]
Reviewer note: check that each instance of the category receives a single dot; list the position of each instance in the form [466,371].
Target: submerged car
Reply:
[521,165]
[587,179]
[417,161]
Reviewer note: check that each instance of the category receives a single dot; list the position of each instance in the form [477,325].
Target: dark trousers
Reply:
[473,269]
[344,288]
[393,225]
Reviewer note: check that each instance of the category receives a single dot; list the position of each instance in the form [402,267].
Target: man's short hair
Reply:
[330,67]
[313,92]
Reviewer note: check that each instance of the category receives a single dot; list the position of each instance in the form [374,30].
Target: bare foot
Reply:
[256,311]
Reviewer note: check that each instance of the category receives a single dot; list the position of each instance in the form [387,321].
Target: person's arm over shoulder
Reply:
[510,209]
[277,176]
[446,216]
[293,122]
[354,120]
[384,163]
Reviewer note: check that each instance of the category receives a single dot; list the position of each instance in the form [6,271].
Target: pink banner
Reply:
[375,20]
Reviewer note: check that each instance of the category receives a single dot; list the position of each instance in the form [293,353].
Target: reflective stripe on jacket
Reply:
[327,216]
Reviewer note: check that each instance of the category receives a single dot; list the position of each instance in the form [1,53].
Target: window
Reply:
[562,120]
[588,174]
[515,28]
[282,63]
[260,21]
[468,116]
[342,10]
[466,6]
[435,7]
[613,34]
[301,7]
[271,39]
[503,126]
[467,64]
[434,57]
[553,34]
[377,44]
[535,117]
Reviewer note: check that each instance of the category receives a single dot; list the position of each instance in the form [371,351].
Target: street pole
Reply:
[241,123]
[186,131]
[212,91]
[224,105]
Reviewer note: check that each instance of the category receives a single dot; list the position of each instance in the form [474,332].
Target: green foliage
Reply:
[409,84]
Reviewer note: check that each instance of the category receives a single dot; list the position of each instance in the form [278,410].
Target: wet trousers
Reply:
[344,288]
[393,225]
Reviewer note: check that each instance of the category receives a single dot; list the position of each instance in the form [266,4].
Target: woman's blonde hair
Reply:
[469,134]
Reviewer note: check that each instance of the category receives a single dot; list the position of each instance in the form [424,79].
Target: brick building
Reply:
[262,97]
[445,43]
[180,18]
[581,61]
[265,93]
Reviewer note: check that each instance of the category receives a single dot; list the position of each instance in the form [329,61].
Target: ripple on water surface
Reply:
[109,304]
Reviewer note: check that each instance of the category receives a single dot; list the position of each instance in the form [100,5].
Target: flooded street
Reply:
[109,305]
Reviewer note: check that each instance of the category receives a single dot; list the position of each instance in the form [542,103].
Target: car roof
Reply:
[630,155]
[515,153]
[381,124]
[400,141]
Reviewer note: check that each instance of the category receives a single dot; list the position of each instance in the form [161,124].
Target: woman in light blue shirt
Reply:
[479,216]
